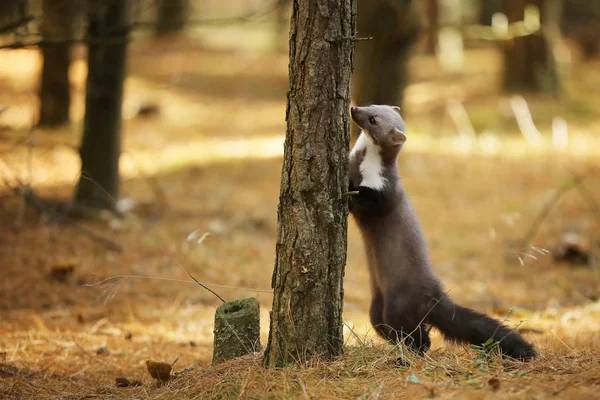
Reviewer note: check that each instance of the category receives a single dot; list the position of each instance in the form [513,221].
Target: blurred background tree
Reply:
[172,15]
[55,88]
[108,32]
[580,22]
[380,73]
[529,61]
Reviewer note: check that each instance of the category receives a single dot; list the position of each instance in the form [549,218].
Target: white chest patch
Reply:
[371,167]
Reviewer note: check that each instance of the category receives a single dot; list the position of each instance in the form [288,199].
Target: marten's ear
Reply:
[397,109]
[397,137]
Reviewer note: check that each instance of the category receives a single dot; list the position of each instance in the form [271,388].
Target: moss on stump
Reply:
[237,329]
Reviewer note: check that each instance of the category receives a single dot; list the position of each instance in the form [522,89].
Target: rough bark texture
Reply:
[171,16]
[381,72]
[237,329]
[306,318]
[529,64]
[101,146]
[55,89]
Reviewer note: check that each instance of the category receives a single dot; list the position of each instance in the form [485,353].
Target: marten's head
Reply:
[382,124]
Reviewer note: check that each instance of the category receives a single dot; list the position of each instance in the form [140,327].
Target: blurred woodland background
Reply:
[131,128]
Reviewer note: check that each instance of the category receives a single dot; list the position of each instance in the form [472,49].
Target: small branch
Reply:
[201,284]
[349,39]
[87,353]
[550,203]
[589,197]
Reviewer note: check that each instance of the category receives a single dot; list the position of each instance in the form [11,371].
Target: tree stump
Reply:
[237,329]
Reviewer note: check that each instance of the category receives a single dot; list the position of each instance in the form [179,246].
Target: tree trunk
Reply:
[487,9]
[381,72]
[529,63]
[306,318]
[101,147]
[433,25]
[171,16]
[581,23]
[55,89]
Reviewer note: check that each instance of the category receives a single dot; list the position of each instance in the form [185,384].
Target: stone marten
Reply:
[407,296]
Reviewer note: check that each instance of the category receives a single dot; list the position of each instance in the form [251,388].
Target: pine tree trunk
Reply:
[171,16]
[306,318]
[529,64]
[101,146]
[55,89]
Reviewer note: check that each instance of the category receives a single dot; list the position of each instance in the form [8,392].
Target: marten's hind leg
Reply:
[403,321]
[376,313]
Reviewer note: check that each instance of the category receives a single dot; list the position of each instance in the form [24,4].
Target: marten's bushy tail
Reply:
[462,325]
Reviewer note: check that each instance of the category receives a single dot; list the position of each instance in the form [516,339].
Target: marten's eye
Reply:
[372,120]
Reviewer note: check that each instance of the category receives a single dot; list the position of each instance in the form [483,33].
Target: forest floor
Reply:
[75,315]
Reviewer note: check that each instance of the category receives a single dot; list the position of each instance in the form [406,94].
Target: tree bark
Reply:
[101,146]
[55,89]
[171,16]
[381,70]
[306,317]
[529,63]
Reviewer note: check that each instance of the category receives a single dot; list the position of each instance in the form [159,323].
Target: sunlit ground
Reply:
[210,161]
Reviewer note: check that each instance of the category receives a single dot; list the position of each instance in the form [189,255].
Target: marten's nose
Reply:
[353,109]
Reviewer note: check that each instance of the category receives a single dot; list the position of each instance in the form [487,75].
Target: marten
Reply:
[407,296]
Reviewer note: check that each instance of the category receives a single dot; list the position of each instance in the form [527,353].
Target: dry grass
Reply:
[472,198]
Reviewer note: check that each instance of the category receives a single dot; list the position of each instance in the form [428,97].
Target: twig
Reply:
[42,387]
[201,284]
[589,197]
[110,278]
[564,344]
[351,39]
[87,353]
[550,203]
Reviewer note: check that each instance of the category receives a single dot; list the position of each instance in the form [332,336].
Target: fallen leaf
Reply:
[159,370]
[62,272]
[494,384]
